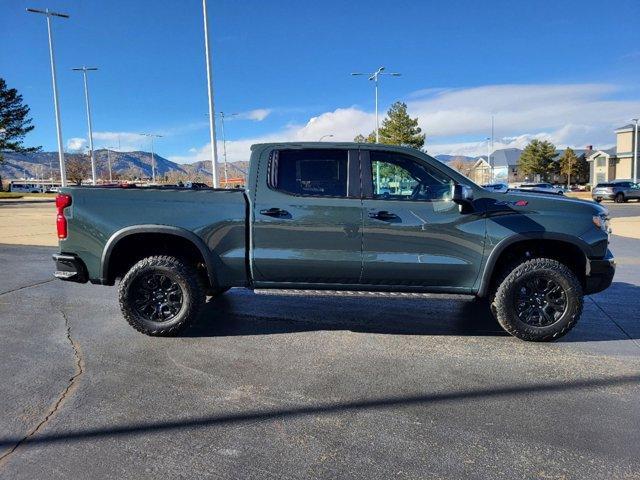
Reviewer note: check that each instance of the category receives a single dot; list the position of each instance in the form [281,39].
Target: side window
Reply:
[398,177]
[318,173]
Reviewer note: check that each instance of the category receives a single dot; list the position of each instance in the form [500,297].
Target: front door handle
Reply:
[274,212]
[382,215]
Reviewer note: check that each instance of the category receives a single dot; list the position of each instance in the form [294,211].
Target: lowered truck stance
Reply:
[338,216]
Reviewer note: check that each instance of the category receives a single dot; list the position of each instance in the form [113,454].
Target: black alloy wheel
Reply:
[540,301]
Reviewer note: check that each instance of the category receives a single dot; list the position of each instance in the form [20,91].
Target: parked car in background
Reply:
[542,187]
[496,187]
[618,190]
[338,216]
[25,187]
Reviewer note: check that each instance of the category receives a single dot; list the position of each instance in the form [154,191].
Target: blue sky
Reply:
[561,70]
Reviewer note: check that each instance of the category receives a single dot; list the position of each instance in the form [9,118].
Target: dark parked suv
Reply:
[619,191]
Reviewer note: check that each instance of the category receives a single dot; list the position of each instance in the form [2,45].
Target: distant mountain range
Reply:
[133,164]
[450,158]
[126,164]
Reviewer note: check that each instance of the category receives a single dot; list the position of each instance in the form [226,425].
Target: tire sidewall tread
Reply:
[192,292]
[504,308]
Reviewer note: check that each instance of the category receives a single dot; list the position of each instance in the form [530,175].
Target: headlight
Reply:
[601,222]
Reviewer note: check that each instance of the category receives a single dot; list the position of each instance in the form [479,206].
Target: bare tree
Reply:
[461,166]
[78,168]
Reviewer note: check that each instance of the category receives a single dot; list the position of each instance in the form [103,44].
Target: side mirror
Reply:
[462,194]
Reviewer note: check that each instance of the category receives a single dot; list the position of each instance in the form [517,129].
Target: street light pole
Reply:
[224,143]
[374,77]
[212,120]
[56,106]
[109,161]
[489,160]
[84,71]
[635,152]
[153,158]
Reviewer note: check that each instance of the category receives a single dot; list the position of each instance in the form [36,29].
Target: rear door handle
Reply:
[382,215]
[274,212]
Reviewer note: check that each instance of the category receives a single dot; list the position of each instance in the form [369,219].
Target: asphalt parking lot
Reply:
[276,386]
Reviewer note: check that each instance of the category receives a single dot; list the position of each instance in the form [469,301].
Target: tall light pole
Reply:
[224,143]
[109,162]
[634,170]
[153,158]
[212,119]
[84,71]
[489,159]
[56,107]
[374,77]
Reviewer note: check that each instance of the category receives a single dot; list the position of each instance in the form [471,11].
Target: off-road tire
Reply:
[504,299]
[177,270]
[619,198]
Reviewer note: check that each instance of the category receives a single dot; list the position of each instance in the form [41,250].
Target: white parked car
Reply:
[542,187]
[25,187]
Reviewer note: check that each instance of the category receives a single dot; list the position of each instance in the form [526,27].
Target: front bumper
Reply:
[600,273]
[603,196]
[70,268]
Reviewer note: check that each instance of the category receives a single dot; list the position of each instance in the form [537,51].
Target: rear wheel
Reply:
[538,300]
[619,198]
[161,295]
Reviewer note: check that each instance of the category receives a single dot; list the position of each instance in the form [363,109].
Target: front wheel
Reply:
[619,198]
[161,295]
[539,300]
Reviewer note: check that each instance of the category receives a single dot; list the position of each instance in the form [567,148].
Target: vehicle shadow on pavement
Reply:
[606,317]
[242,314]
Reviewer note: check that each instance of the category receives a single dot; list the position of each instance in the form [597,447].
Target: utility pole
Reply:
[212,120]
[635,152]
[374,78]
[489,159]
[224,144]
[56,106]
[84,71]
[153,158]
[109,162]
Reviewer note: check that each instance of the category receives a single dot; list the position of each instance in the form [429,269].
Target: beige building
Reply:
[615,163]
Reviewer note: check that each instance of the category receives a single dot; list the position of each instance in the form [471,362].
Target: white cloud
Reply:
[457,121]
[76,144]
[571,114]
[342,123]
[257,115]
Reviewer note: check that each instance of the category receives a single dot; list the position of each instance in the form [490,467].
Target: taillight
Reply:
[62,201]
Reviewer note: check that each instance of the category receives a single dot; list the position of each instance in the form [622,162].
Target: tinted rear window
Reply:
[310,172]
[603,185]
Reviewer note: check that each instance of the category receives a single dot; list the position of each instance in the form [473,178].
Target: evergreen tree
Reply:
[14,121]
[568,164]
[398,128]
[537,158]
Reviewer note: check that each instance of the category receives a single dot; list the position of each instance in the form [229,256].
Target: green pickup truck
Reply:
[338,216]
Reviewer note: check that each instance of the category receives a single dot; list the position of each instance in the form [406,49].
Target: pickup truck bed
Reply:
[102,219]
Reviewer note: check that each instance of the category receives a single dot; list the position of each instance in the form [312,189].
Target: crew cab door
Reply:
[413,233]
[307,217]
